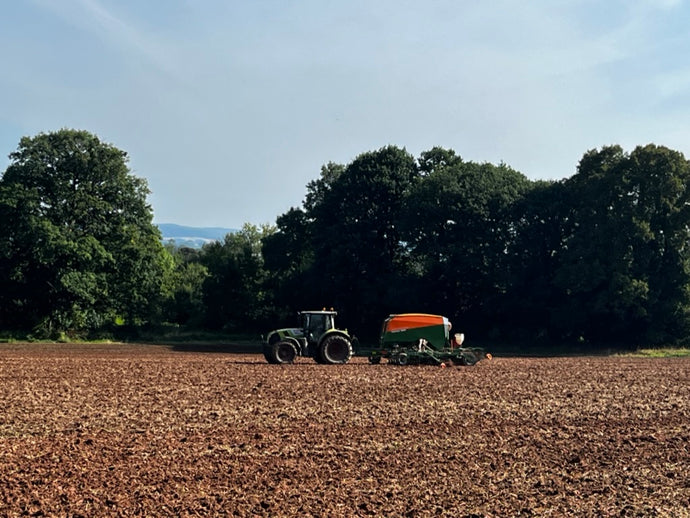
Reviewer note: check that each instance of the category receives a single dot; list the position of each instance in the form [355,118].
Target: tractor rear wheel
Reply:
[281,352]
[335,349]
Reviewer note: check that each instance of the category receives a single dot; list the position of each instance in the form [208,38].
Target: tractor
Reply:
[419,338]
[316,338]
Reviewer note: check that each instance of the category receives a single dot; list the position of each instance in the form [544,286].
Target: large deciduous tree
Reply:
[358,251]
[626,265]
[457,225]
[77,245]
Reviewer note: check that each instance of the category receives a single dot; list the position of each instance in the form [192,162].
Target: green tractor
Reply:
[316,338]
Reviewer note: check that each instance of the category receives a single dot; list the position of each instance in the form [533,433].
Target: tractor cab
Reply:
[316,323]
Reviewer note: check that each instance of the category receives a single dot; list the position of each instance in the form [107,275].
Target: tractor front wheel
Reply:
[280,352]
[268,353]
[335,349]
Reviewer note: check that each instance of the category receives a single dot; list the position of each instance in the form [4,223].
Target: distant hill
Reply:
[193,237]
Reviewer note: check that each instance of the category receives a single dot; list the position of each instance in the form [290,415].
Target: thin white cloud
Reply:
[122,35]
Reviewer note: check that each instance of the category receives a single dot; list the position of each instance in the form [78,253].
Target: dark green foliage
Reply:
[457,226]
[78,247]
[625,268]
[288,259]
[599,258]
[532,308]
[186,306]
[233,292]
[358,251]
[602,257]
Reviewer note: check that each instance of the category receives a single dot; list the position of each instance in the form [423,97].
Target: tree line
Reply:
[600,258]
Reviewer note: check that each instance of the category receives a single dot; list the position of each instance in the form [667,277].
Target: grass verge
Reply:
[662,352]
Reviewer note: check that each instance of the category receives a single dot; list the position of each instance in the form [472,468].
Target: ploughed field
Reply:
[127,430]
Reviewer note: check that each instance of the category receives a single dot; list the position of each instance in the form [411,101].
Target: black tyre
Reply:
[268,354]
[335,349]
[285,352]
[403,359]
[470,358]
[280,352]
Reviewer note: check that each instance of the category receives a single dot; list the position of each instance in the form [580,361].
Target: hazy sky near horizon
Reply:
[228,108]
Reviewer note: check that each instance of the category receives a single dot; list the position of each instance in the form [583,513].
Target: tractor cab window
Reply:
[328,322]
[317,324]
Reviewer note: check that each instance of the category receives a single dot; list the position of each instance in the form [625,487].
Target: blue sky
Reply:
[230,107]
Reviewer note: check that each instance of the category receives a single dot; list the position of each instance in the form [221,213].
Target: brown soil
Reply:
[126,430]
